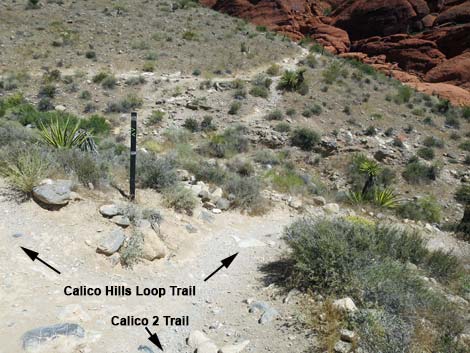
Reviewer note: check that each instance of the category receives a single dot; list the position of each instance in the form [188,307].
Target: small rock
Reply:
[190,228]
[145,349]
[17,235]
[111,243]
[208,205]
[207,347]
[259,306]
[295,203]
[196,338]
[121,221]
[153,248]
[331,208]
[319,201]
[234,348]
[223,204]
[268,316]
[216,195]
[345,304]
[40,335]
[342,347]
[216,211]
[115,259]
[347,335]
[60,108]
[110,210]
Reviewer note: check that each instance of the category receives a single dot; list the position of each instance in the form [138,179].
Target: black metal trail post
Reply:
[133,155]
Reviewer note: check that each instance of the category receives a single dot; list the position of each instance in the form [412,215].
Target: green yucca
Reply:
[355,197]
[291,80]
[386,198]
[63,135]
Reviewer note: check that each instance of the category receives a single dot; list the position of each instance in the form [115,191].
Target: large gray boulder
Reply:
[41,335]
[54,192]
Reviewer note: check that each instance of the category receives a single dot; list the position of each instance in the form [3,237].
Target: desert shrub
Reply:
[311,61]
[190,35]
[265,157]
[51,76]
[90,54]
[86,167]
[286,180]
[423,209]
[314,109]
[156,173]
[305,138]
[274,70]
[156,117]
[135,80]
[416,172]
[432,141]
[442,106]
[45,105]
[85,95]
[33,4]
[452,121]
[208,172]
[47,91]
[293,81]
[196,72]
[426,153]
[191,124]
[276,114]
[234,108]
[180,199]
[282,127]
[259,91]
[290,112]
[466,113]
[12,132]
[239,93]
[149,66]
[96,124]
[465,146]
[176,136]
[332,72]
[23,169]
[240,166]
[347,110]
[63,134]
[125,105]
[109,82]
[443,265]
[230,142]
[246,192]
[132,252]
[403,94]
[207,124]
[99,77]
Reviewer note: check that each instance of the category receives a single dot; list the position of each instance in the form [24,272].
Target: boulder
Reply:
[110,210]
[223,204]
[53,192]
[455,14]
[111,242]
[331,208]
[196,338]
[207,347]
[450,40]
[345,304]
[153,248]
[121,221]
[40,335]
[455,71]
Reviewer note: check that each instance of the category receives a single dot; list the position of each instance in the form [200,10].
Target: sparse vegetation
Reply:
[180,198]
[423,209]
[305,138]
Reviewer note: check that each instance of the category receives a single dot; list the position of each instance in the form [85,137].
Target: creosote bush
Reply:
[156,173]
[305,138]
[180,198]
[424,209]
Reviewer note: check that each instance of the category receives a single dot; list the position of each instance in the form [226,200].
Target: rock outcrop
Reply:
[420,38]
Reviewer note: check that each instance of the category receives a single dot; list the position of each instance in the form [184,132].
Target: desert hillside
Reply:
[287,199]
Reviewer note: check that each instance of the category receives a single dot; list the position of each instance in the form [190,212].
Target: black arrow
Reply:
[225,263]
[154,339]
[33,255]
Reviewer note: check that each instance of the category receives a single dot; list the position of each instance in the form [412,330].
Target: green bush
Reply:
[125,105]
[156,117]
[305,138]
[109,82]
[416,172]
[135,80]
[100,76]
[234,108]
[274,115]
[432,141]
[242,167]
[259,91]
[424,209]
[207,124]
[403,94]
[96,124]
[314,109]
[282,127]
[287,180]
[466,113]
[132,252]
[191,124]
[232,141]
[156,173]
[23,169]
[246,192]
[426,153]
[85,95]
[47,91]
[265,157]
[465,146]
[180,198]
[274,70]
[62,134]
[207,172]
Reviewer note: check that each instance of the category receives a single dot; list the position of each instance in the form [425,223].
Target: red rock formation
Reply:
[411,54]
[368,18]
[455,14]
[455,71]
[451,40]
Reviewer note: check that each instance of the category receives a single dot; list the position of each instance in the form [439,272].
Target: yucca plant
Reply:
[386,198]
[25,171]
[372,170]
[355,197]
[63,134]
[291,80]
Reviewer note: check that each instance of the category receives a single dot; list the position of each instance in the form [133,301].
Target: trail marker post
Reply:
[133,155]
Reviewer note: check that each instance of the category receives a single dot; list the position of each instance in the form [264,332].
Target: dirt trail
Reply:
[32,296]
